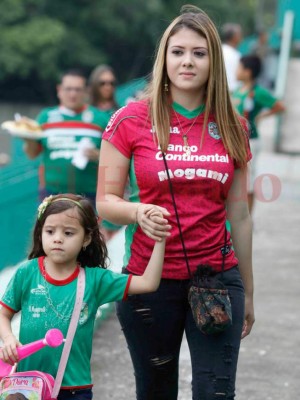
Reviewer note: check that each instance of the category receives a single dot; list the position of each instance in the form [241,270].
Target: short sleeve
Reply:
[42,117]
[264,98]
[12,297]
[112,286]
[121,129]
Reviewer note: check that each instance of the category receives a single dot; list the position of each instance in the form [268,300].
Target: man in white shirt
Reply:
[231,37]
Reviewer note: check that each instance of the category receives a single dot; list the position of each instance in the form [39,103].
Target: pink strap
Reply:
[70,334]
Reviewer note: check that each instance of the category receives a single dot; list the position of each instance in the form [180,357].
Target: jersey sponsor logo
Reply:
[65,154]
[173,129]
[191,157]
[40,290]
[37,311]
[213,130]
[65,147]
[192,173]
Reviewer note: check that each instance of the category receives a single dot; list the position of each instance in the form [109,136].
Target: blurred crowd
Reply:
[251,79]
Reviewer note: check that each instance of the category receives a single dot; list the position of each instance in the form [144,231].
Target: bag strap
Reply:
[179,225]
[71,332]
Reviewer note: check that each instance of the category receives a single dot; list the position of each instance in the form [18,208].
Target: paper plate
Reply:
[20,131]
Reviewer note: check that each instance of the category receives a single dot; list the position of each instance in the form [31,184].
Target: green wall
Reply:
[18,203]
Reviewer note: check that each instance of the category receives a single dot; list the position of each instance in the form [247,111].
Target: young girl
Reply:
[66,238]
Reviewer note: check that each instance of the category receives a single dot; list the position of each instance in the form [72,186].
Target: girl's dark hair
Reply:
[95,254]
[253,63]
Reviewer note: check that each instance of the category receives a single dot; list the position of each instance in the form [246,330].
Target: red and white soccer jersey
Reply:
[201,183]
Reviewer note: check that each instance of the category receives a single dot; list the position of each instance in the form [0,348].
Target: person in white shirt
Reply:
[231,37]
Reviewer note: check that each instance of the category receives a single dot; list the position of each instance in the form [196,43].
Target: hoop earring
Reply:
[84,248]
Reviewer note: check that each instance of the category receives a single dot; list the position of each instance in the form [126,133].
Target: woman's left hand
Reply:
[249,316]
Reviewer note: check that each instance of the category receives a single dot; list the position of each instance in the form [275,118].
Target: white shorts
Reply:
[255,145]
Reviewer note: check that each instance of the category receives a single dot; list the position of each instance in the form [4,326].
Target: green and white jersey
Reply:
[46,303]
[64,130]
[250,103]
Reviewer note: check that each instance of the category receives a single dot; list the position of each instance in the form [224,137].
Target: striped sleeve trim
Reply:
[125,297]
[7,307]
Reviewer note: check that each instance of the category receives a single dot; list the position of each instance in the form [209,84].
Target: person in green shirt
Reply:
[254,102]
[72,134]
[66,238]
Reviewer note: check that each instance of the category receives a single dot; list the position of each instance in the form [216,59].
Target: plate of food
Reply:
[23,127]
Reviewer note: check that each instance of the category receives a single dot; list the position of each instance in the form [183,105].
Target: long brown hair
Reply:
[95,253]
[217,100]
[93,84]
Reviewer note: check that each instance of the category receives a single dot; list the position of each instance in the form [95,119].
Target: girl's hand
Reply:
[151,219]
[8,353]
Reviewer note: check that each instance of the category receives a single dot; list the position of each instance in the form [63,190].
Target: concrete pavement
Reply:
[269,367]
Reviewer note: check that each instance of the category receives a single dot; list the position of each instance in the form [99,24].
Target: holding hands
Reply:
[153,222]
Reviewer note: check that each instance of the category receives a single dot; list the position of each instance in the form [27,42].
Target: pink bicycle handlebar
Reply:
[53,338]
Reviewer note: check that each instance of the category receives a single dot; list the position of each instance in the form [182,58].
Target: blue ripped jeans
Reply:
[154,324]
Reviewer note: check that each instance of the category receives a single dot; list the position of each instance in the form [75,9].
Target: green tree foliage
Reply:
[41,38]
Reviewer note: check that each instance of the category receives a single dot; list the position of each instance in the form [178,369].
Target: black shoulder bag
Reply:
[207,295]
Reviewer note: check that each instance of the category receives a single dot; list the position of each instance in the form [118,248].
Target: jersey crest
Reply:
[213,130]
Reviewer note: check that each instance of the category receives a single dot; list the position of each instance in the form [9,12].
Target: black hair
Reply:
[253,63]
[95,254]
[73,72]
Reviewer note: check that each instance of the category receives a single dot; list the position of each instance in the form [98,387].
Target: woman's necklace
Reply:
[48,297]
[186,146]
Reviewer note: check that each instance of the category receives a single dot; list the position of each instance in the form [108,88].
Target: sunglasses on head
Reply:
[104,83]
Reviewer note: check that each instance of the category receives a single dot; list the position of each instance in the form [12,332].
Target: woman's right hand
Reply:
[8,353]
[151,219]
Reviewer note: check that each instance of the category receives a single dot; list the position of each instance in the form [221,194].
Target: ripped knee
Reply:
[145,314]
[222,383]
[221,387]
[161,361]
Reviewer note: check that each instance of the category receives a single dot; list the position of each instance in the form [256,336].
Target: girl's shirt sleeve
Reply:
[264,98]
[12,298]
[111,286]
[121,129]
